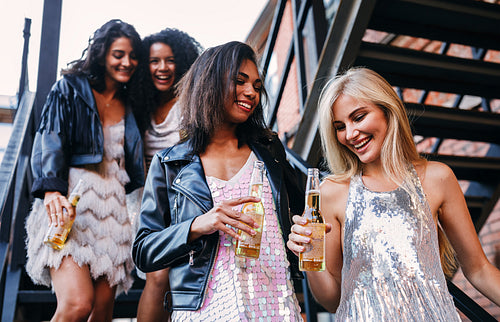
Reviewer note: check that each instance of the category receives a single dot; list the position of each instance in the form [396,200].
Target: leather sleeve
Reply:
[49,160]
[158,244]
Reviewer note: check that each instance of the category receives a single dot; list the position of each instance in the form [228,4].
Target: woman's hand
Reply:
[300,235]
[224,218]
[54,203]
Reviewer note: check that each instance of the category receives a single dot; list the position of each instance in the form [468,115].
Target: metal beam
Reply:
[339,51]
[23,81]
[49,53]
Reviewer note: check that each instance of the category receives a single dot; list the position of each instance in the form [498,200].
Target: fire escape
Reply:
[452,102]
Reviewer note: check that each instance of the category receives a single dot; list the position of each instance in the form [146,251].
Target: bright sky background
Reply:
[211,22]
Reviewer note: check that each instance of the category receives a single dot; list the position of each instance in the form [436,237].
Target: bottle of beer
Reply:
[56,235]
[313,258]
[249,246]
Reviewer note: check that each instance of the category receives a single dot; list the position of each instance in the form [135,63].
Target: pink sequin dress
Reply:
[243,289]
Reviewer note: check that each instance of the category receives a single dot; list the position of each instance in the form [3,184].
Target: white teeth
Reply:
[359,145]
[245,105]
[162,77]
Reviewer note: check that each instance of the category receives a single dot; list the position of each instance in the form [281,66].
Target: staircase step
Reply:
[409,68]
[468,22]
[443,122]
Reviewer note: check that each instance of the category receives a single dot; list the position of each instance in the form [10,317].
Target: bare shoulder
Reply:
[436,173]
[334,197]
[438,181]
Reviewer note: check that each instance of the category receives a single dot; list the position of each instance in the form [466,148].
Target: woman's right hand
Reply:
[299,234]
[54,203]
[223,217]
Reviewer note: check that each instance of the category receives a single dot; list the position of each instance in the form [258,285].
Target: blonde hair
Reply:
[398,151]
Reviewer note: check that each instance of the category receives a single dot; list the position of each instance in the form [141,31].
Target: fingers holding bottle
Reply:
[223,217]
[59,209]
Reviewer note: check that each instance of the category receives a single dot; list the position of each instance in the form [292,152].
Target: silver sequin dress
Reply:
[391,266]
[102,235]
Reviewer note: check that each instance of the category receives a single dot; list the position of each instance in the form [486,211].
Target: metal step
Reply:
[409,68]
[452,123]
[468,22]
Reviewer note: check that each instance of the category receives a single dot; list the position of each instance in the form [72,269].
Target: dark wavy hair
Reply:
[205,89]
[92,62]
[185,49]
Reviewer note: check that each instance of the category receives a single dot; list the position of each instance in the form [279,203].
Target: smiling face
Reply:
[248,89]
[162,66]
[360,126]
[121,61]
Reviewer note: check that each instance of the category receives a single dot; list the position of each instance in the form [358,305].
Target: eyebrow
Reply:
[258,80]
[157,57]
[356,111]
[352,113]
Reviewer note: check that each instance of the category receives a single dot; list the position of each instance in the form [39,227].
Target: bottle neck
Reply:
[255,190]
[311,210]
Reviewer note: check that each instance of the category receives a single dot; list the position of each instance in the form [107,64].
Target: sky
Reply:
[211,22]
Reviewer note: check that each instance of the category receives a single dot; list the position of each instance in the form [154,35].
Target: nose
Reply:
[351,132]
[250,91]
[163,65]
[125,60]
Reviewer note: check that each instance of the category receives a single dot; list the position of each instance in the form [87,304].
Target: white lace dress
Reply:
[102,234]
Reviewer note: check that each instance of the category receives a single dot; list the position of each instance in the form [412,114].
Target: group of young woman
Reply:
[389,213]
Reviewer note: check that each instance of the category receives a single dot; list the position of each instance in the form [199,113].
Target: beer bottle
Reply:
[249,246]
[313,258]
[56,235]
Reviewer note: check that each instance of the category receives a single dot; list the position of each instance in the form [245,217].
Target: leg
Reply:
[104,301]
[151,303]
[74,291]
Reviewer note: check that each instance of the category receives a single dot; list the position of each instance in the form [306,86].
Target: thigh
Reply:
[159,279]
[72,282]
[104,300]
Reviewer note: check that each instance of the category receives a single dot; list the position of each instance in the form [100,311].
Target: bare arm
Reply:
[457,224]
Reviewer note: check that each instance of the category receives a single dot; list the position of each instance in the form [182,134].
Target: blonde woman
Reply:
[386,255]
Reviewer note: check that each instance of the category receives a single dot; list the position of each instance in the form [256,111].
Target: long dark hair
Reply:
[185,49]
[204,90]
[91,64]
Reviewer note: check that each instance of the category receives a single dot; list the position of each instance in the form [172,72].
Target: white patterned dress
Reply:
[102,235]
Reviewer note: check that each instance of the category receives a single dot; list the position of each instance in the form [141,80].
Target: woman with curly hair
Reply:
[87,131]
[169,54]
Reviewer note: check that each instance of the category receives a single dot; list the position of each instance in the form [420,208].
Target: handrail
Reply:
[15,199]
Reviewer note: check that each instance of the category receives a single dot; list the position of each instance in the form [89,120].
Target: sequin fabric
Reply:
[391,267]
[243,289]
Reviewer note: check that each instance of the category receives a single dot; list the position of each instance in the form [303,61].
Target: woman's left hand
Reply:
[299,235]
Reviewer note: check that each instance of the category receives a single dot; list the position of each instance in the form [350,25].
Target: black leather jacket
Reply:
[70,134]
[175,193]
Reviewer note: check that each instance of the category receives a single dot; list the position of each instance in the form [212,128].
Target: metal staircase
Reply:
[327,37]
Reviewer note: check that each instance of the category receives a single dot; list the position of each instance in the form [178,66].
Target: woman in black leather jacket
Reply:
[195,189]
[87,131]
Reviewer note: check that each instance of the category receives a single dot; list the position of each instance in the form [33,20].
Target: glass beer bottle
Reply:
[249,246]
[56,235]
[313,258]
